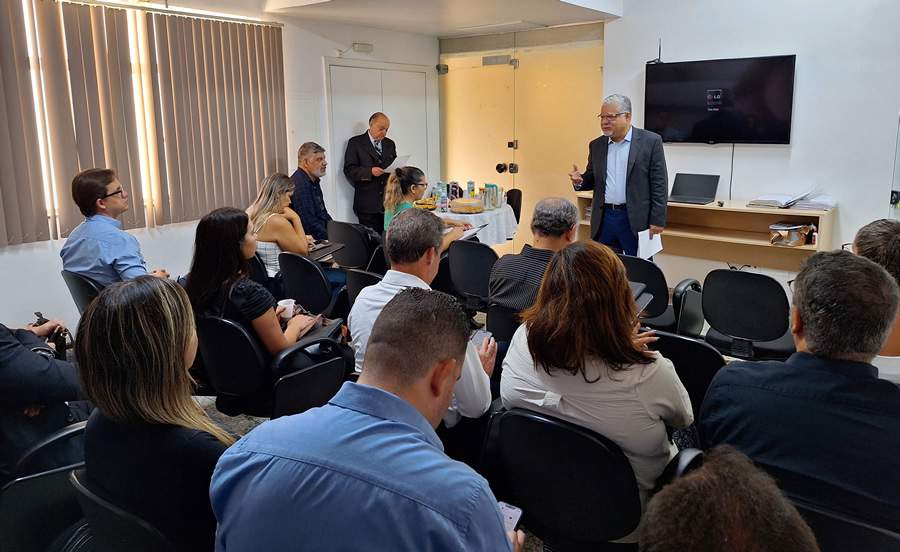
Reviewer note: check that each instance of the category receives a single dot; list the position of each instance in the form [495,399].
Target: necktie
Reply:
[378,146]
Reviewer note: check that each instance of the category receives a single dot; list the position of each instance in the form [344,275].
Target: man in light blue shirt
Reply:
[98,248]
[366,471]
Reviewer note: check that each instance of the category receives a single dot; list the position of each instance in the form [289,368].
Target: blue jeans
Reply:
[616,232]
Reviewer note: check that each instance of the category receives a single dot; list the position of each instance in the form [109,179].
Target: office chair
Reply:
[41,455]
[514,199]
[837,532]
[37,510]
[356,252]
[112,527]
[748,315]
[357,280]
[304,281]
[379,263]
[83,289]
[470,269]
[565,505]
[696,363]
[659,314]
[245,376]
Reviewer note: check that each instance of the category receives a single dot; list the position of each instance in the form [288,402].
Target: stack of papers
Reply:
[820,202]
[780,201]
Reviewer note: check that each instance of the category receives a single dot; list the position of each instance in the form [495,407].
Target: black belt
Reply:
[615,206]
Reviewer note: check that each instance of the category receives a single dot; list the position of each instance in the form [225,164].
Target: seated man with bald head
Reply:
[366,158]
[366,471]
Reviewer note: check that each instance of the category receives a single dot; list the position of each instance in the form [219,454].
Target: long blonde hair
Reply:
[131,355]
[399,186]
[268,200]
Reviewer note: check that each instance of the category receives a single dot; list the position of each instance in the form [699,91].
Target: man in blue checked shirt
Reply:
[367,471]
[307,200]
[98,248]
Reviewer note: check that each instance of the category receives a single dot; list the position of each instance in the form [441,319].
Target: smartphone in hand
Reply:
[511,516]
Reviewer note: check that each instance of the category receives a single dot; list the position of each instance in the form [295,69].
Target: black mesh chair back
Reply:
[502,322]
[647,273]
[745,305]
[470,269]
[564,504]
[837,532]
[309,386]
[36,509]
[356,253]
[45,455]
[112,527]
[379,263]
[83,289]
[305,282]
[514,199]
[237,366]
[357,280]
[696,362]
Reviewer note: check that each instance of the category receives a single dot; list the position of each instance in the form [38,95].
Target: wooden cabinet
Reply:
[733,233]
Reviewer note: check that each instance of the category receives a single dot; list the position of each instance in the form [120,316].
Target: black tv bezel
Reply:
[713,142]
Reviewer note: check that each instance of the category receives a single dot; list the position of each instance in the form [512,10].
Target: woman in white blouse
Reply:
[277,226]
[577,357]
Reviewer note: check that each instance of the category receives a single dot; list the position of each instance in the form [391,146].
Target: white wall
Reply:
[846,96]
[29,274]
[306,43]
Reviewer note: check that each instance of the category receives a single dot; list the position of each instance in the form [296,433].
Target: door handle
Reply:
[501,168]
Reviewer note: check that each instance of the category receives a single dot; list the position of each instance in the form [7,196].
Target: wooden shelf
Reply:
[740,206]
[584,222]
[585,195]
[727,236]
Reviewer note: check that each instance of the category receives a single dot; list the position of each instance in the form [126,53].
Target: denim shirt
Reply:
[99,249]
[364,472]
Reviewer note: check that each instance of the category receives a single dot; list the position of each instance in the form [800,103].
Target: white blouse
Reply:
[630,407]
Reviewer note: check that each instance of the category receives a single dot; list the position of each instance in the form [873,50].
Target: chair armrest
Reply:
[67,432]
[682,287]
[684,462]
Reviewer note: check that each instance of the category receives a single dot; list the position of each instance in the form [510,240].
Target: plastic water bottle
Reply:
[445,204]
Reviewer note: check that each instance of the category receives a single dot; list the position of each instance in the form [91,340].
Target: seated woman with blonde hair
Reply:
[405,186]
[279,228]
[578,356]
[148,446]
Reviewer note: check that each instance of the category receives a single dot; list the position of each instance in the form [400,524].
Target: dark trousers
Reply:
[375,221]
[615,232]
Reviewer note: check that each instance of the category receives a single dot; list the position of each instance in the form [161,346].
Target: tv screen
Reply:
[746,101]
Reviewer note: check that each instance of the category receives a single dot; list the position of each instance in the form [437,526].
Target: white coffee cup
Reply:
[288,311]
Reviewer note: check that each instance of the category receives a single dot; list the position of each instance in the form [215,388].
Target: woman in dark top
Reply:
[149,447]
[219,285]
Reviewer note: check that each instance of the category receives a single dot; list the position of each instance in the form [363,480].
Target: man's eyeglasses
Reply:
[603,117]
[110,194]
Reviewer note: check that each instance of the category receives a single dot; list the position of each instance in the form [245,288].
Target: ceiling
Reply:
[450,18]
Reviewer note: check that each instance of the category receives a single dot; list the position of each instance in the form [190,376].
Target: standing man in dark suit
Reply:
[364,162]
[626,168]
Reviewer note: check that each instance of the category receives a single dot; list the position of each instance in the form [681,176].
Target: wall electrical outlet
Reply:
[895,197]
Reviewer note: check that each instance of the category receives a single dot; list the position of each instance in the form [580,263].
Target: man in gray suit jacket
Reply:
[626,168]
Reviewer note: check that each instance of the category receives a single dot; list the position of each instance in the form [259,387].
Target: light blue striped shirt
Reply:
[617,169]
[99,249]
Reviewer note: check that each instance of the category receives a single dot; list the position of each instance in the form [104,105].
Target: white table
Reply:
[501,223]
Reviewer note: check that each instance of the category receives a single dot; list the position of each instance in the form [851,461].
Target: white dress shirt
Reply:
[888,367]
[630,407]
[617,169]
[472,393]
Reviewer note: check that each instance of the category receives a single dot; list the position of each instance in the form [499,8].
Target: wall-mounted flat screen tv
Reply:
[742,101]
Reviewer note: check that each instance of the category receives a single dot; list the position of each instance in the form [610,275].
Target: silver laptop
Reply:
[698,189]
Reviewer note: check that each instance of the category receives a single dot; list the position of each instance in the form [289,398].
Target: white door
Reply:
[356,93]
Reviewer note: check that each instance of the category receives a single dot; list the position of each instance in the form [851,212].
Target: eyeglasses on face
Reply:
[110,194]
[603,117]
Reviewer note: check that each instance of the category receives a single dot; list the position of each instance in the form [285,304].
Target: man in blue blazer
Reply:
[626,168]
